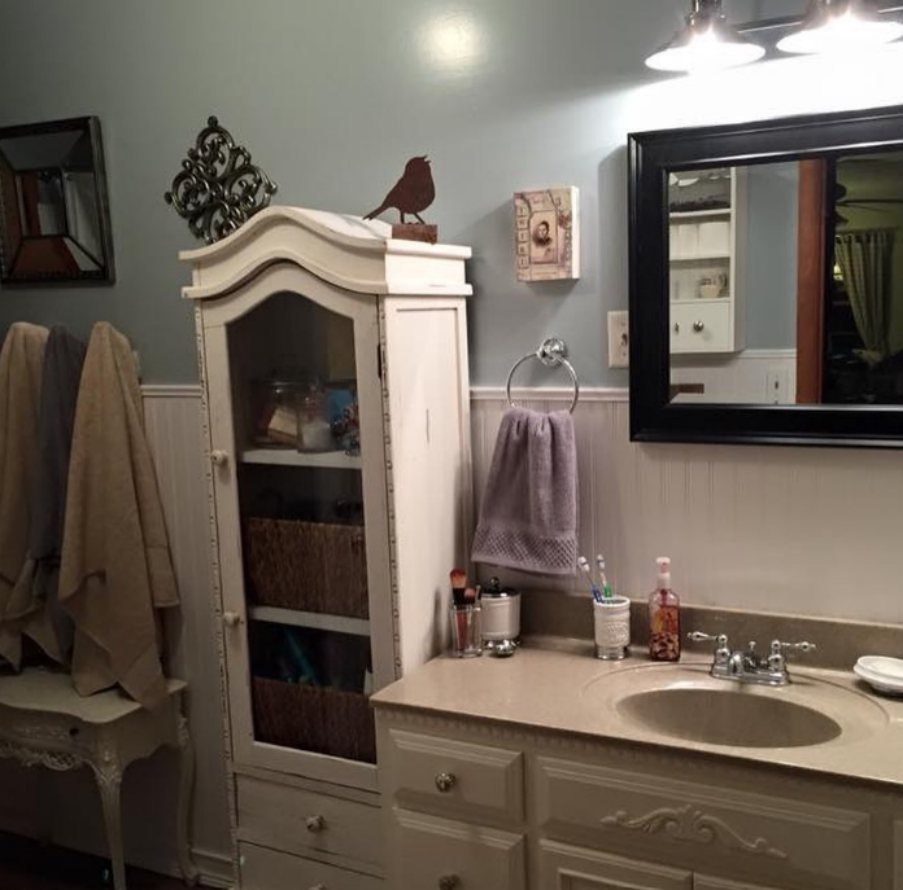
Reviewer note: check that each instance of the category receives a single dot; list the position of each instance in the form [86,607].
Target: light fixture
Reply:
[706,43]
[832,26]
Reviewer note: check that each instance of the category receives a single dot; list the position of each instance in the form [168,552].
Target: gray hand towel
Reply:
[528,518]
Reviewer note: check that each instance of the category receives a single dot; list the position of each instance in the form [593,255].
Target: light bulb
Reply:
[710,48]
[840,28]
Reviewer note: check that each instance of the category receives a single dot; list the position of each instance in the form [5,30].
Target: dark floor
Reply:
[28,865]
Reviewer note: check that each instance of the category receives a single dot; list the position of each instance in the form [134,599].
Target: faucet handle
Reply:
[777,662]
[699,637]
[779,648]
[722,652]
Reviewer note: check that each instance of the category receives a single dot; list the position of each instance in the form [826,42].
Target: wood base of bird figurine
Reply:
[416,232]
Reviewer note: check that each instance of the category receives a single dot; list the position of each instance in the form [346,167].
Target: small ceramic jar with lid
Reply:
[501,619]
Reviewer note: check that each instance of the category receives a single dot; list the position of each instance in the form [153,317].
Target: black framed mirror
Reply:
[55,220]
[766,281]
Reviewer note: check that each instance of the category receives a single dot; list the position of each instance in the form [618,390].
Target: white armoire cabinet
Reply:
[334,373]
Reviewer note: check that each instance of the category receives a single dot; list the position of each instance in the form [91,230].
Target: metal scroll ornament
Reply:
[218,188]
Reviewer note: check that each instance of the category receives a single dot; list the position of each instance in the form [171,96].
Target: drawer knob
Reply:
[445,782]
[676,327]
[315,824]
[231,619]
[449,882]
[218,457]
[698,326]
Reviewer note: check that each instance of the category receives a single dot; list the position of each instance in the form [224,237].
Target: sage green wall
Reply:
[333,95]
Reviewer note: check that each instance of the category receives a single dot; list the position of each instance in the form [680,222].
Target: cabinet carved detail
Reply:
[691,824]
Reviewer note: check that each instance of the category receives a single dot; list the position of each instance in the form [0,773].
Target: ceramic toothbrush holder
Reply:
[612,628]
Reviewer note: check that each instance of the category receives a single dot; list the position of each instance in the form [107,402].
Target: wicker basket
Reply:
[311,566]
[326,721]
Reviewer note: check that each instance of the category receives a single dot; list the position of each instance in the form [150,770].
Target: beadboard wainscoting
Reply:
[812,531]
[756,376]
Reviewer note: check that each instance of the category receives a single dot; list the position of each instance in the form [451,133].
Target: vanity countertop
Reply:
[564,689]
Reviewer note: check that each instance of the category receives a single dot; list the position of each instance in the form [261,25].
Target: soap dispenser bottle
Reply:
[664,616]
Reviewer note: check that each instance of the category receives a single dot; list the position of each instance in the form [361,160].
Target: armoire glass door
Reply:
[300,497]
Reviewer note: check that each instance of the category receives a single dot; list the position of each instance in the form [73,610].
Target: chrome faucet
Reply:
[748,666]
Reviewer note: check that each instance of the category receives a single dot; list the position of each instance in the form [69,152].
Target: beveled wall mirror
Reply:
[766,282]
[55,224]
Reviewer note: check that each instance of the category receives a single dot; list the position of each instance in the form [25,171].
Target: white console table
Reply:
[45,722]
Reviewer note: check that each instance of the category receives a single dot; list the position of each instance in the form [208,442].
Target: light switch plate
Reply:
[618,340]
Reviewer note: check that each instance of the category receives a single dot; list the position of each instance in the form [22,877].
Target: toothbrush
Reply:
[603,581]
[583,565]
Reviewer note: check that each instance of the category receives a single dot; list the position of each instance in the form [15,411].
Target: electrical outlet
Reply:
[618,340]
[777,387]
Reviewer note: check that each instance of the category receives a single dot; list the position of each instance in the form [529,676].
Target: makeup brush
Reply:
[459,586]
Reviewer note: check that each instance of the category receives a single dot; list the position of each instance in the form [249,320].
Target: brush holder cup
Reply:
[466,630]
[612,628]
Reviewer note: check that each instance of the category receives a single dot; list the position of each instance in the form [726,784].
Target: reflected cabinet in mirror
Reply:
[766,284]
[54,225]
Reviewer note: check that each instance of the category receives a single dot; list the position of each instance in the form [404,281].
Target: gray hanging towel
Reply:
[63,360]
[21,367]
[528,518]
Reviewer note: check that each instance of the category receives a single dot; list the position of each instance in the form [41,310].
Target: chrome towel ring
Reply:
[553,354]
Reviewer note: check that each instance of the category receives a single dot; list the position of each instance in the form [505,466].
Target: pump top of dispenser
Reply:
[664,572]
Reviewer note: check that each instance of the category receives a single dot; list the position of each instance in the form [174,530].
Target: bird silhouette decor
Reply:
[410,196]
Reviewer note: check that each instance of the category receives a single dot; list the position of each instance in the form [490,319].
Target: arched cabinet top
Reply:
[347,251]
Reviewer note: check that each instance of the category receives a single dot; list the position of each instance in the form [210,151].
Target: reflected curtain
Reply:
[865,261]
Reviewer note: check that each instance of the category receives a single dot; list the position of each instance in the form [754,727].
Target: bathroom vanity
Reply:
[553,770]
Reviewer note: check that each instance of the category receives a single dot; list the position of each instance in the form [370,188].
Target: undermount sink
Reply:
[728,717]
[685,703]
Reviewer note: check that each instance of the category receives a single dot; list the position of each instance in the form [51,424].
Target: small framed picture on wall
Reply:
[547,234]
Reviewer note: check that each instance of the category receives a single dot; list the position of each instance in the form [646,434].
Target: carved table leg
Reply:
[109,783]
[183,818]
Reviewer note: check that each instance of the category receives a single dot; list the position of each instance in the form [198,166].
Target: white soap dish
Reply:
[883,674]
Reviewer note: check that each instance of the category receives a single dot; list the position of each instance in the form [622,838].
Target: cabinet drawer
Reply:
[455,778]
[300,821]
[714,335]
[263,869]
[568,868]
[739,833]
[429,852]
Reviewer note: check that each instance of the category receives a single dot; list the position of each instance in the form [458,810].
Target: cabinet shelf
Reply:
[287,457]
[702,258]
[359,627]
[691,215]
[701,301]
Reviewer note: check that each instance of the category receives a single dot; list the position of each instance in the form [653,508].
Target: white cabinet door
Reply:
[302,525]
[569,868]
[700,882]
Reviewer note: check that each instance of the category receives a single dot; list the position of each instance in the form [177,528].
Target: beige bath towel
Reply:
[116,569]
[21,366]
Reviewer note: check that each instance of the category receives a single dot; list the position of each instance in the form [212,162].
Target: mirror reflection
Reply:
[786,282]
[54,223]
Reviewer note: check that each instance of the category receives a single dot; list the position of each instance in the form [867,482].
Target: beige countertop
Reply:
[564,689]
